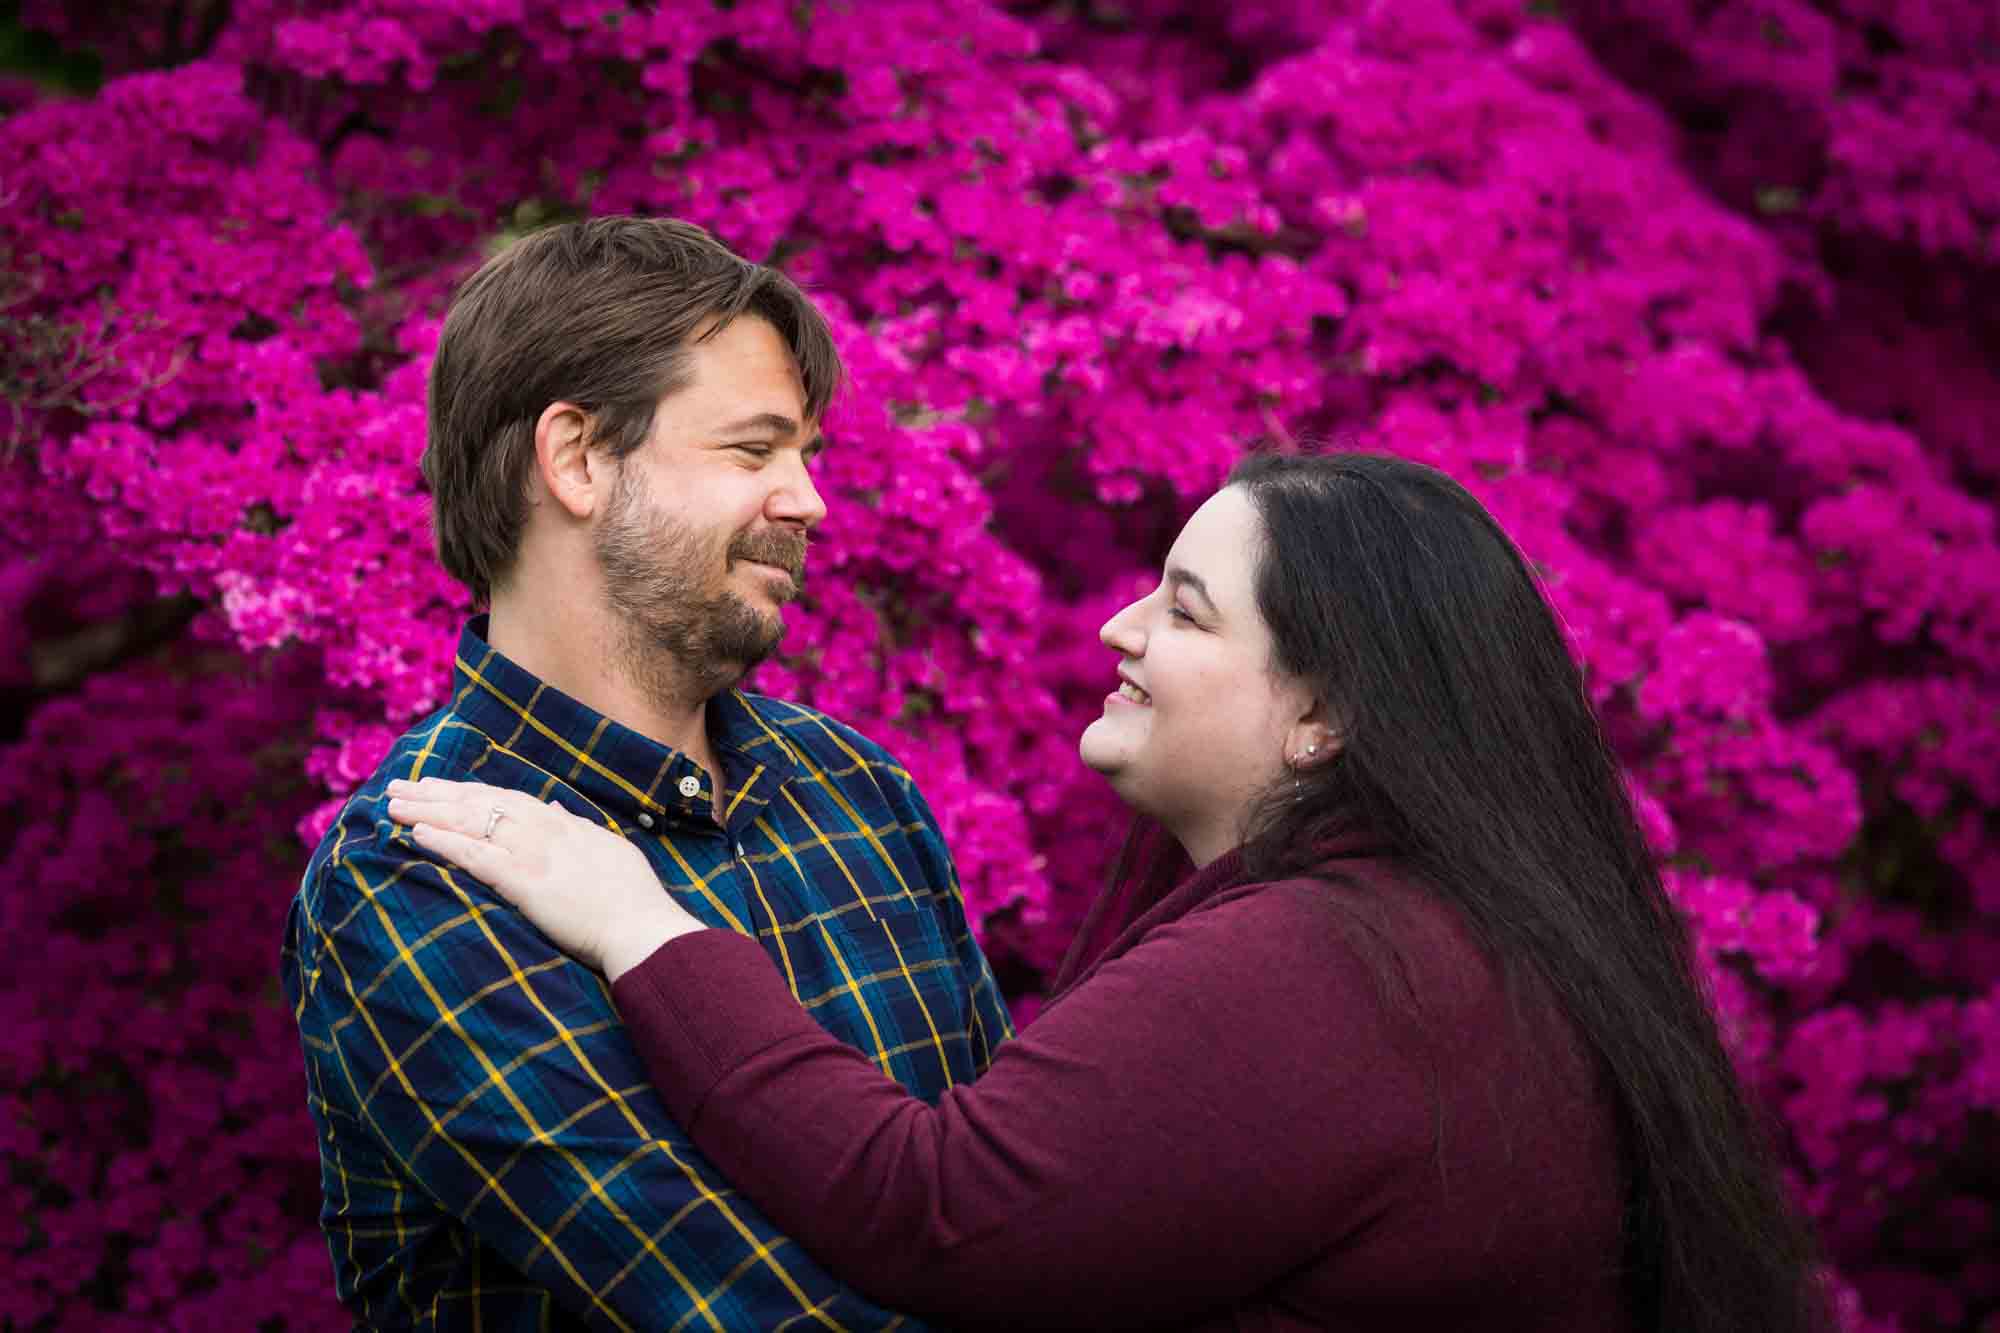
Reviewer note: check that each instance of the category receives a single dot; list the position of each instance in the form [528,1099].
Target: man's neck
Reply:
[584,658]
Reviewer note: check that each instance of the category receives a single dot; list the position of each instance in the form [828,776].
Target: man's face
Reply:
[703,539]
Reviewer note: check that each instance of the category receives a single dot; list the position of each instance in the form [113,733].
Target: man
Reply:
[623,418]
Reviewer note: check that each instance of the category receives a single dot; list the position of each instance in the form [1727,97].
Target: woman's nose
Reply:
[1122,632]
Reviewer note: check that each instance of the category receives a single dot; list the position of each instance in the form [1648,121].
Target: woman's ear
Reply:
[568,470]
[1312,740]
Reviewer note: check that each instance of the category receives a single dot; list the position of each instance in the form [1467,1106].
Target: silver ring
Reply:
[492,822]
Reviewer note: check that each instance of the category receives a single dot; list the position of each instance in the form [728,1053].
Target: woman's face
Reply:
[1199,726]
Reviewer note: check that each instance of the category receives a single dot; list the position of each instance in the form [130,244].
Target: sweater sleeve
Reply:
[1207,1112]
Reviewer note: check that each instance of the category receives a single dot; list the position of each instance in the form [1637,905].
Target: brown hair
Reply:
[599,313]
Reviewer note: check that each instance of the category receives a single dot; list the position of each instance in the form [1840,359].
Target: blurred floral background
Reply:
[1700,297]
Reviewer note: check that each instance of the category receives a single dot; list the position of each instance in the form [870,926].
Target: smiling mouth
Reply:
[1127,690]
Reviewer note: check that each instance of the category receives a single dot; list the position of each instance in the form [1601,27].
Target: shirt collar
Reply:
[630,776]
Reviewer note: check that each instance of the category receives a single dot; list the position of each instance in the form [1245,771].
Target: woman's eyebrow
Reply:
[1187,578]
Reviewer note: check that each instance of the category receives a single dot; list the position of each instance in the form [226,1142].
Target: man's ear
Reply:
[569,470]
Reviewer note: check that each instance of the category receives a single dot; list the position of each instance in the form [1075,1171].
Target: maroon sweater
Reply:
[1247,1113]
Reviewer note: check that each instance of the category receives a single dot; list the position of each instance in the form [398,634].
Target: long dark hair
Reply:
[1468,747]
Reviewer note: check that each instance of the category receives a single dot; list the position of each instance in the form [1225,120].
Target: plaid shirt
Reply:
[492,1153]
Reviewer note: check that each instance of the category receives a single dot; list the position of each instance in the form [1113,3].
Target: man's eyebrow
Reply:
[1183,578]
[771,421]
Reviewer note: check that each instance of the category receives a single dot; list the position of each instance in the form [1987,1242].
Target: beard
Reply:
[678,641]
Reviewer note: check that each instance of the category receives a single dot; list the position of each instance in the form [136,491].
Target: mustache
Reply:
[786,550]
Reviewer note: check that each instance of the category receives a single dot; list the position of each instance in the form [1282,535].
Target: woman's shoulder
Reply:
[1371,893]
[1350,919]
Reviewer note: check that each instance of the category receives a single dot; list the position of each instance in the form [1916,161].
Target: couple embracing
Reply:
[632,1000]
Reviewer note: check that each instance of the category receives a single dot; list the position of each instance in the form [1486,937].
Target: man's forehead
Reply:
[743,373]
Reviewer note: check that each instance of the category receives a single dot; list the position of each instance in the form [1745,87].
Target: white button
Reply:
[645,820]
[689,786]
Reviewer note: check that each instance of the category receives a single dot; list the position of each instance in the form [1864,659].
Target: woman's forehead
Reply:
[1219,546]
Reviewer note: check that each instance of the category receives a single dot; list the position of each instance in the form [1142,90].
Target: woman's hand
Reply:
[585,887]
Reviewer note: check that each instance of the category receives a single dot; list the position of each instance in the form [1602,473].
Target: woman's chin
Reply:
[1101,753]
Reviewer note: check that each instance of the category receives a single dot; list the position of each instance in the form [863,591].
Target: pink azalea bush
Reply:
[1696,297]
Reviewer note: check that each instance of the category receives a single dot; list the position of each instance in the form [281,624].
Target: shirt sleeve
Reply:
[1215,1108]
[496,1072]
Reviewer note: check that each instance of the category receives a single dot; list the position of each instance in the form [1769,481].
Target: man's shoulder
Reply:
[827,744]
[441,745]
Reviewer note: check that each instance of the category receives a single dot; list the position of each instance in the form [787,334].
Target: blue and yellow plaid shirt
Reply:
[492,1154]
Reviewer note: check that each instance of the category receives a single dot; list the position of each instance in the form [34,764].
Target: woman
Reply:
[1417,1045]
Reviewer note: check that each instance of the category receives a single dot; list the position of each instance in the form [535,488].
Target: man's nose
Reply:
[793,497]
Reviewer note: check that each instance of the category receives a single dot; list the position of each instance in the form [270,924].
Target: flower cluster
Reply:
[1690,295]
[151,1130]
